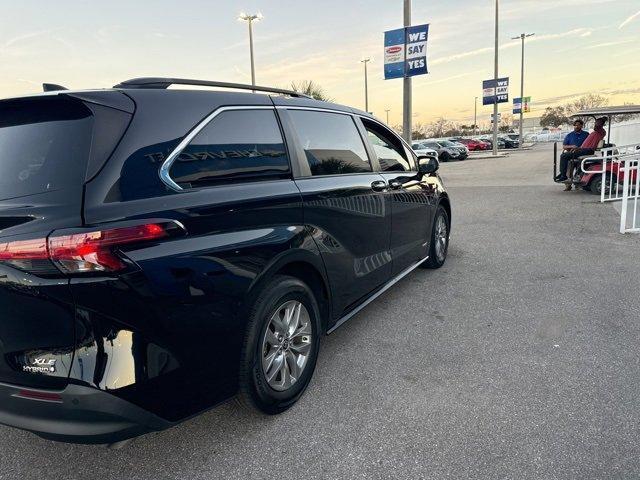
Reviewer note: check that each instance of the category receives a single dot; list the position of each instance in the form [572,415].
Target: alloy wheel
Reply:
[286,345]
[441,238]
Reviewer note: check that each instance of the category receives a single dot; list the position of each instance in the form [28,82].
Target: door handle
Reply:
[379,186]
[395,184]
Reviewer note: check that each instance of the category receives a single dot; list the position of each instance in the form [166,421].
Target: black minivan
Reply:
[164,249]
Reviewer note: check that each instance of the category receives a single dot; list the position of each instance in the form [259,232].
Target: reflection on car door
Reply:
[344,203]
[412,199]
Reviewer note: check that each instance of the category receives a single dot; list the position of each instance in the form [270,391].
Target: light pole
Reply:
[250,19]
[522,37]
[475,117]
[387,112]
[406,85]
[366,84]
[495,77]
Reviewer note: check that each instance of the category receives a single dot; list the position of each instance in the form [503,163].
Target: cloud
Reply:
[630,19]
[453,77]
[30,82]
[625,53]
[610,44]
[25,44]
[266,39]
[27,36]
[479,51]
[106,34]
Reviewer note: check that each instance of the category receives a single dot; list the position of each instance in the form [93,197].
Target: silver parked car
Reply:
[422,150]
[446,150]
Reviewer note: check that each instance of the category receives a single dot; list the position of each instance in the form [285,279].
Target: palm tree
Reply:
[309,87]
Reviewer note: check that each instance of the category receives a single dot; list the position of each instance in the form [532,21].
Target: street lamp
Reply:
[387,112]
[250,19]
[407,101]
[495,78]
[521,37]
[366,84]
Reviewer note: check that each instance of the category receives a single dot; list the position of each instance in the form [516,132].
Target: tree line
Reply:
[562,114]
[557,116]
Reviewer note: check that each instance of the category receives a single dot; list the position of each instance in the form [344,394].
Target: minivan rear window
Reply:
[44,145]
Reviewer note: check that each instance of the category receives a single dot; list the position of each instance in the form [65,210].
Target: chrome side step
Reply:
[386,287]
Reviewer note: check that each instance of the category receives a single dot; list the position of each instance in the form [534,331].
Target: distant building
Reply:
[529,125]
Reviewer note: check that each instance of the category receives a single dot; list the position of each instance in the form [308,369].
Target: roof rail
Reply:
[162,83]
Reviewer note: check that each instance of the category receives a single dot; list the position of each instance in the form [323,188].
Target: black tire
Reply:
[595,186]
[435,261]
[444,157]
[254,387]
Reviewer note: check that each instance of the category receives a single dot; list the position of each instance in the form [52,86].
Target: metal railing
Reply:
[629,221]
[610,162]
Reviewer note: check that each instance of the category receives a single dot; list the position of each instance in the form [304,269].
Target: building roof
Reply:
[607,111]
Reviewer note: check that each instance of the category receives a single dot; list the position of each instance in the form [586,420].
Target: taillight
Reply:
[85,252]
[93,251]
[28,255]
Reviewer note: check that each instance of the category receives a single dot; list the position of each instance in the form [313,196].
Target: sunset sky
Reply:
[580,46]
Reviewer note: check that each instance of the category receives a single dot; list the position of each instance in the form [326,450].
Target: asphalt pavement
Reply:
[518,359]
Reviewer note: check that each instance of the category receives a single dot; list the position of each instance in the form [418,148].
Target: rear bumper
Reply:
[81,415]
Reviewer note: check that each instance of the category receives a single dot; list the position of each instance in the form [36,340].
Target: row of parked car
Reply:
[443,150]
[458,148]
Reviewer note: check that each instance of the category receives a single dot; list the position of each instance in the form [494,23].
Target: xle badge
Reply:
[41,365]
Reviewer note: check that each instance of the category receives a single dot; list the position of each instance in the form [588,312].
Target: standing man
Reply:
[574,148]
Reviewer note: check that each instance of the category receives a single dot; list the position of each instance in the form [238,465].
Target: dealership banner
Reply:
[394,57]
[405,52]
[495,91]
[520,106]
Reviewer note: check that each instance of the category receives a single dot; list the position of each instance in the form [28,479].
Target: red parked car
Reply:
[474,145]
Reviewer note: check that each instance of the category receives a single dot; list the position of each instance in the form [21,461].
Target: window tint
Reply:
[44,145]
[331,142]
[241,145]
[389,149]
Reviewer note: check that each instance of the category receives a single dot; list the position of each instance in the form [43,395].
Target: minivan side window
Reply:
[331,142]
[388,148]
[236,146]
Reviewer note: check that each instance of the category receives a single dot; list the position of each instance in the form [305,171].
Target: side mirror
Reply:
[428,165]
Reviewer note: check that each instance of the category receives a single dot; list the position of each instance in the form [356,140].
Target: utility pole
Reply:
[406,86]
[250,19]
[522,37]
[495,77]
[475,117]
[366,84]
[387,112]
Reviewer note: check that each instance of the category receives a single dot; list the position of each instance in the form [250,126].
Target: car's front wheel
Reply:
[281,345]
[439,239]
